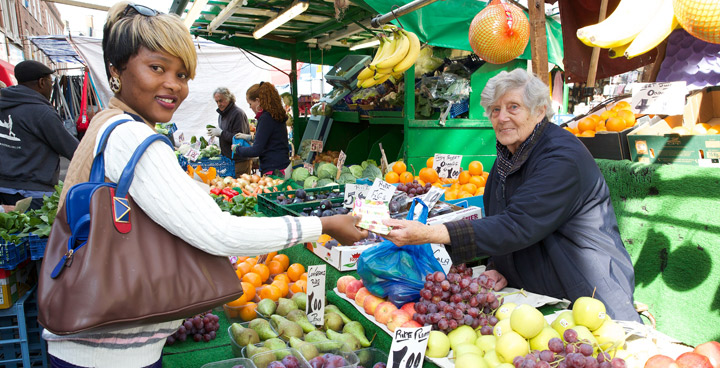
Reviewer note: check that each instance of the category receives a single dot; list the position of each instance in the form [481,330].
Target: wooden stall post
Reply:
[595,56]
[538,39]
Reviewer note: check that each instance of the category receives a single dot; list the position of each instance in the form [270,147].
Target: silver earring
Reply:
[115,85]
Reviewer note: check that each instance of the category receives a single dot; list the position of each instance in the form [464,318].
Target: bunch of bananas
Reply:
[634,28]
[393,57]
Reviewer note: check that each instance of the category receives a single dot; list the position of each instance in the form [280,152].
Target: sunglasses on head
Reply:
[140,9]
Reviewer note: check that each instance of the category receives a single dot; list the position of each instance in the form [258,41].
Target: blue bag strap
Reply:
[97,172]
[81,227]
[423,215]
[128,173]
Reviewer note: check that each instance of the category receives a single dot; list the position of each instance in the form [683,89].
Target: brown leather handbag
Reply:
[108,264]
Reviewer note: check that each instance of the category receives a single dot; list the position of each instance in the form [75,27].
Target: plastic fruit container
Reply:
[237,348]
[231,363]
[280,355]
[263,360]
[368,357]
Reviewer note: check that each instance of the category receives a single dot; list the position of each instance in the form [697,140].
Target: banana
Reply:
[659,28]
[412,54]
[616,52]
[387,48]
[365,73]
[367,83]
[628,19]
[360,82]
[401,50]
[382,80]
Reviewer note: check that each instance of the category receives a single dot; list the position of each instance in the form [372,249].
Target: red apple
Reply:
[693,360]
[360,296]
[660,361]
[352,288]
[411,323]
[384,311]
[370,303]
[397,319]
[711,350]
[409,308]
[343,282]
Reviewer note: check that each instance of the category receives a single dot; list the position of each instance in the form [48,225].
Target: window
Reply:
[13,31]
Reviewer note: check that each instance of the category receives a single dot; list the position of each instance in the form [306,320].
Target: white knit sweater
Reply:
[171,198]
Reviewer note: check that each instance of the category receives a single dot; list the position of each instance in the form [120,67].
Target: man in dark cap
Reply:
[32,136]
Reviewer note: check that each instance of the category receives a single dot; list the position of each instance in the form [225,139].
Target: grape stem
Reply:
[503,295]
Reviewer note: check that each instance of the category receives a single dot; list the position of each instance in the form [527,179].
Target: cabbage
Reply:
[347,178]
[345,170]
[310,182]
[365,163]
[371,172]
[300,174]
[325,182]
[356,170]
[326,171]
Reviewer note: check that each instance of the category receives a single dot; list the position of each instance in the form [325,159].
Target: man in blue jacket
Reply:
[32,136]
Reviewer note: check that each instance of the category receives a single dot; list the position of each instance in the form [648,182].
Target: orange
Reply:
[464,177]
[485,175]
[480,191]
[451,194]
[244,267]
[429,175]
[715,129]
[275,267]
[283,259]
[588,133]
[464,194]
[252,261]
[282,286]
[470,188]
[270,292]
[420,181]
[299,286]
[295,271]
[248,294]
[627,116]
[392,177]
[253,278]
[406,177]
[241,259]
[270,257]
[622,105]
[700,128]
[261,270]
[304,276]
[615,124]
[595,118]
[430,161]
[680,130]
[475,168]
[586,124]
[239,273]
[478,180]
[608,114]
[569,129]
[399,167]
[247,311]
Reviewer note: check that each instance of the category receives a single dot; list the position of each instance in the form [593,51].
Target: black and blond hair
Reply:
[126,31]
[269,99]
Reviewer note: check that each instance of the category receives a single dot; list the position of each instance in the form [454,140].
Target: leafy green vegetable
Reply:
[325,182]
[300,174]
[347,178]
[356,170]
[326,171]
[365,163]
[310,182]
[13,225]
[41,220]
[371,172]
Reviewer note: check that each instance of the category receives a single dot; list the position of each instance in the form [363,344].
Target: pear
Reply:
[243,336]
[356,329]
[333,321]
[263,328]
[266,307]
[285,306]
[322,342]
[350,342]
[278,346]
[333,308]
[300,299]
[308,350]
[286,328]
[300,318]
[256,354]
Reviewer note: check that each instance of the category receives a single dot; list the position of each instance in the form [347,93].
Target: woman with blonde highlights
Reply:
[149,59]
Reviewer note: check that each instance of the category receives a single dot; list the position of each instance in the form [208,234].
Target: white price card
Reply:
[659,98]
[447,166]
[316,145]
[309,167]
[381,191]
[192,154]
[442,256]
[340,163]
[315,307]
[408,347]
[181,137]
[354,191]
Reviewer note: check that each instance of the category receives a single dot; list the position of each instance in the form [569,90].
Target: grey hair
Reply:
[536,94]
[225,92]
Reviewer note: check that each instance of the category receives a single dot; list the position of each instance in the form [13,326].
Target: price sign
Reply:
[408,347]
[340,163]
[309,167]
[381,191]
[383,160]
[447,166]
[192,154]
[353,192]
[442,256]
[659,98]
[316,145]
[315,307]
[181,138]
[430,198]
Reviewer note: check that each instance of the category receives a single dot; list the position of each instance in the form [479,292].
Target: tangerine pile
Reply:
[616,119]
[470,182]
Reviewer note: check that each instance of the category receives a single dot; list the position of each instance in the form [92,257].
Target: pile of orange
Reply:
[471,182]
[399,174]
[616,119]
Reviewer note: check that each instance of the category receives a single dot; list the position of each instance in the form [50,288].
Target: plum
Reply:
[290,362]
[380,365]
[317,362]
[275,364]
[334,361]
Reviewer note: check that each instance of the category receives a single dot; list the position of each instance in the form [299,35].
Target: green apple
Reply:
[510,345]
[540,342]
[486,343]
[461,335]
[505,310]
[466,348]
[438,345]
[492,359]
[583,333]
[609,333]
[562,322]
[502,327]
[470,361]
[527,321]
[589,312]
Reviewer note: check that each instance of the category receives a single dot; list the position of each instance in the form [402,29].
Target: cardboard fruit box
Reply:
[670,139]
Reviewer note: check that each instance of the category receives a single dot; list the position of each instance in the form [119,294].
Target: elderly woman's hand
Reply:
[500,281]
[405,232]
[343,228]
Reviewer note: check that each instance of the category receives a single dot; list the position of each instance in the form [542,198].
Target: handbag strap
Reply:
[128,173]
[423,215]
[97,172]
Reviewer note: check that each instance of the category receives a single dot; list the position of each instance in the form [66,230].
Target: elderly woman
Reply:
[550,225]
[150,57]
[231,120]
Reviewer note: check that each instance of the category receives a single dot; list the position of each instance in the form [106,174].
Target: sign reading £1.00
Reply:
[408,347]
[447,166]
[315,307]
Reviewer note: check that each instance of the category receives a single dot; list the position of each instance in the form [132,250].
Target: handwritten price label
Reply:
[447,166]
[408,347]
[316,145]
[315,307]
[659,98]
[381,191]
[354,191]
[340,163]
[192,154]
[442,256]
[309,167]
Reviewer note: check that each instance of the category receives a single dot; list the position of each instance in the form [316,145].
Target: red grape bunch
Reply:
[202,327]
[572,353]
[414,188]
[457,299]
